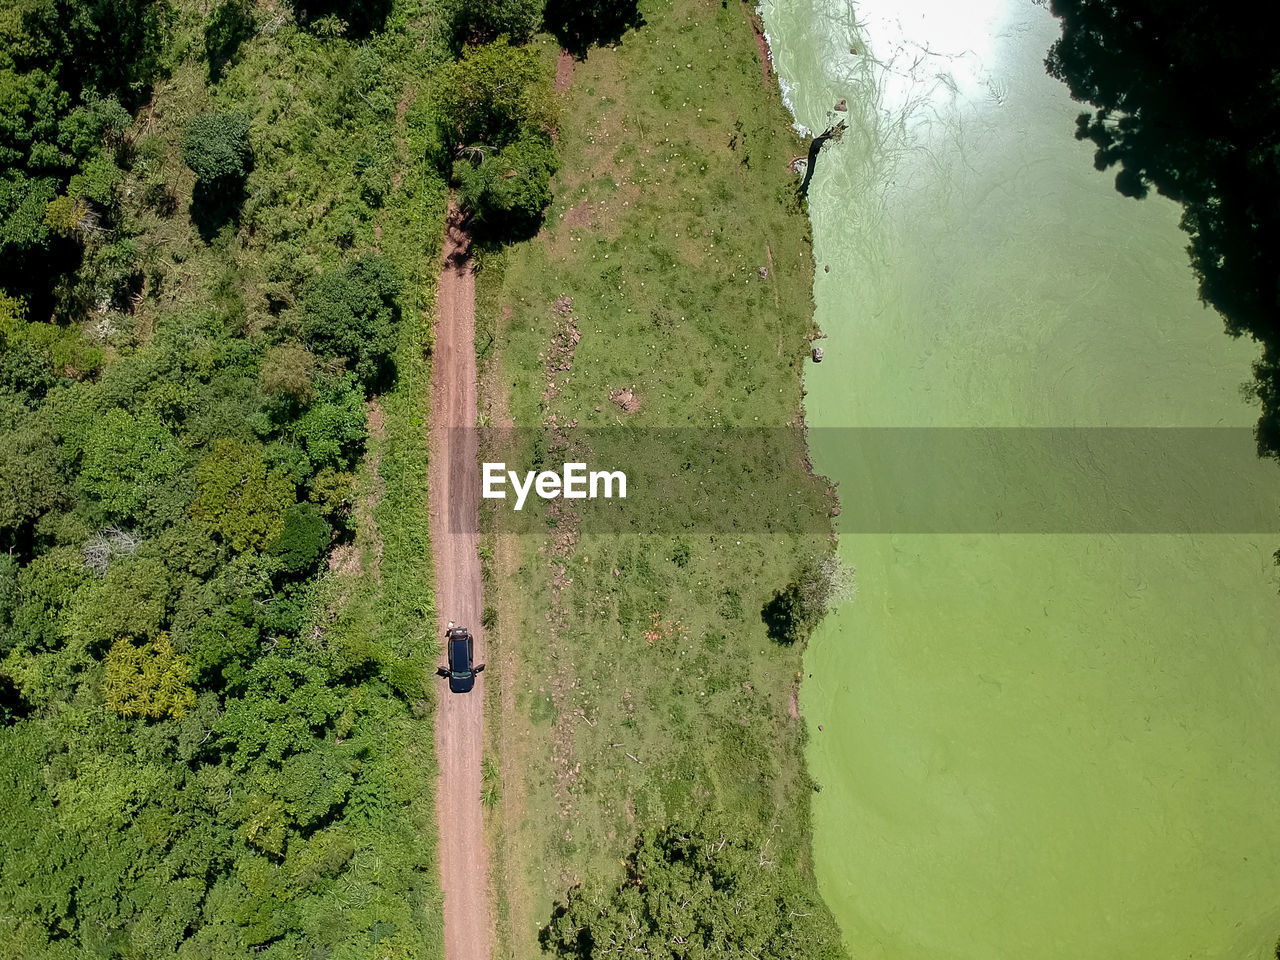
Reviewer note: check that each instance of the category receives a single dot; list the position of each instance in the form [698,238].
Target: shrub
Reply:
[303,539]
[796,609]
[693,893]
[507,192]
[351,312]
[238,499]
[216,147]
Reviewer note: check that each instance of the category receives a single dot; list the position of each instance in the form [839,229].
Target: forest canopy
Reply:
[202,752]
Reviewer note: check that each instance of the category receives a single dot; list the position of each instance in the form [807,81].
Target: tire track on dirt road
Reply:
[454,499]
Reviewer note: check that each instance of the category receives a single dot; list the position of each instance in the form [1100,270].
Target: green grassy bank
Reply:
[635,684]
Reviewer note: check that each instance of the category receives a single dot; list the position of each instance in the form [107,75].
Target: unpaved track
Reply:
[454,495]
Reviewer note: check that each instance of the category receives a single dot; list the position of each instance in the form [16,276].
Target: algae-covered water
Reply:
[1036,745]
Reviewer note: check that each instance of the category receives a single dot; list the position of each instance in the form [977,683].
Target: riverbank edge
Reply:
[804,134]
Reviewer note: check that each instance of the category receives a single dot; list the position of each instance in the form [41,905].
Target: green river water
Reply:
[1038,745]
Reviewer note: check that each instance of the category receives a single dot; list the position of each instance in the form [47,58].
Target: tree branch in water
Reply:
[834,132]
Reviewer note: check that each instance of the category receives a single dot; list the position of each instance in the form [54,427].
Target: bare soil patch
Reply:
[564,71]
[627,399]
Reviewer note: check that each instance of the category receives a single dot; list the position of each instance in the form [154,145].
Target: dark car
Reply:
[462,669]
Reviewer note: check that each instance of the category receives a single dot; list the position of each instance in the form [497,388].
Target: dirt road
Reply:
[455,503]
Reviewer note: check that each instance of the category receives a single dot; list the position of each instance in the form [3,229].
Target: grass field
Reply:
[633,681]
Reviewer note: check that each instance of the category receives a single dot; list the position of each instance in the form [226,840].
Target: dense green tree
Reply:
[238,498]
[127,461]
[1186,102]
[25,372]
[31,479]
[492,96]
[216,147]
[105,47]
[32,104]
[101,121]
[46,587]
[312,784]
[23,201]
[508,191]
[13,314]
[332,430]
[303,540]
[61,350]
[8,591]
[693,892]
[132,599]
[286,705]
[352,312]
[222,647]
[495,117]
[288,459]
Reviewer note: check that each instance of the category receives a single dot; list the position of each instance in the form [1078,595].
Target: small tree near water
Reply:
[798,607]
[695,892]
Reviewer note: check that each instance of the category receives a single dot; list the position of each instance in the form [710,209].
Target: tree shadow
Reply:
[494,234]
[782,616]
[12,706]
[230,24]
[581,24]
[362,17]
[215,206]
